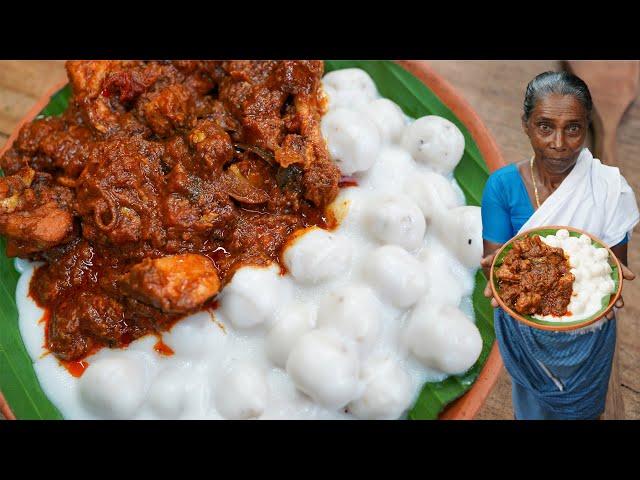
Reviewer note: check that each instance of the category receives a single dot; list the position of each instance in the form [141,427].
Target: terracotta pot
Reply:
[466,407]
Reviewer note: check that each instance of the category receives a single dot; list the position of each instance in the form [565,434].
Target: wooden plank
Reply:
[31,77]
[13,106]
[21,84]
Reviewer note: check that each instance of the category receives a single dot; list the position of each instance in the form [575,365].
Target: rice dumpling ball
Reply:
[442,337]
[242,393]
[461,231]
[434,141]
[396,275]
[294,321]
[388,117]
[388,392]
[444,286]
[325,366]
[253,296]
[390,171]
[349,87]
[114,387]
[352,139]
[395,219]
[353,311]
[171,391]
[433,193]
[317,255]
[194,338]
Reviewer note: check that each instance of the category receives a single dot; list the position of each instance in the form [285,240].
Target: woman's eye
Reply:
[574,128]
[544,127]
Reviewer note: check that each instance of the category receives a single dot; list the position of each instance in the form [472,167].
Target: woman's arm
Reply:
[620,251]
[490,250]
[496,226]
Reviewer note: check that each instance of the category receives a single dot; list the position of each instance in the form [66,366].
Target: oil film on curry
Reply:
[247,239]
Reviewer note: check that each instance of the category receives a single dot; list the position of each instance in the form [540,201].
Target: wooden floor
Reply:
[495,90]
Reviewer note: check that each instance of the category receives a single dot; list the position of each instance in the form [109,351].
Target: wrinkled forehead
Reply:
[558,106]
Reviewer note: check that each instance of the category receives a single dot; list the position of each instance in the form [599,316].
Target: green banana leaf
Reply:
[417,100]
[18,381]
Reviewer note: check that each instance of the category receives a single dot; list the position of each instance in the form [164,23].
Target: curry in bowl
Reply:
[556,278]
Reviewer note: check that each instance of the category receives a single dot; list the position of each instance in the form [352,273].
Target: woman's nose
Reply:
[557,141]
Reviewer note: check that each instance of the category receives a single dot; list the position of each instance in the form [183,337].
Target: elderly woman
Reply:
[557,375]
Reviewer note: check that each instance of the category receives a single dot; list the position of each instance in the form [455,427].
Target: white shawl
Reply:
[595,198]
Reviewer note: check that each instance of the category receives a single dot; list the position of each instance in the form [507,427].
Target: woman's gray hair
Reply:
[562,83]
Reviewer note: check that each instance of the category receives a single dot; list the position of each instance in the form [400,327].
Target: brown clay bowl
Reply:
[468,405]
[557,326]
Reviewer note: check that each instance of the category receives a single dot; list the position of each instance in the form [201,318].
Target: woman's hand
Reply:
[627,275]
[485,263]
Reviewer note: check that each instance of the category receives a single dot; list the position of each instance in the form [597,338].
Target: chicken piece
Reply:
[86,81]
[37,229]
[213,147]
[87,76]
[118,193]
[320,181]
[125,85]
[504,274]
[261,119]
[174,284]
[297,76]
[527,303]
[34,215]
[77,322]
[68,266]
[168,109]
[51,145]
[193,204]
[294,149]
[215,110]
[321,175]
[566,282]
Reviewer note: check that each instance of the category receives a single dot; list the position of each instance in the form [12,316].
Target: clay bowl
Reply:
[468,405]
[616,275]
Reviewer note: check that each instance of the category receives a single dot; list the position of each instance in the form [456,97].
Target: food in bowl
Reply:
[555,277]
[591,272]
[535,278]
[366,298]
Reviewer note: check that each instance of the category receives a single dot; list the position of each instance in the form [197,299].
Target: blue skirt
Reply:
[555,375]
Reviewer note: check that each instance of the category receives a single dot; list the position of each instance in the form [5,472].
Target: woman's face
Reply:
[557,128]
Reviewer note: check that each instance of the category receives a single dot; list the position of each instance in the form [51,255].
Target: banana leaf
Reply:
[417,100]
[19,383]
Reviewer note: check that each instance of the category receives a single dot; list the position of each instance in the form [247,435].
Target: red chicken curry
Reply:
[157,183]
[535,279]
